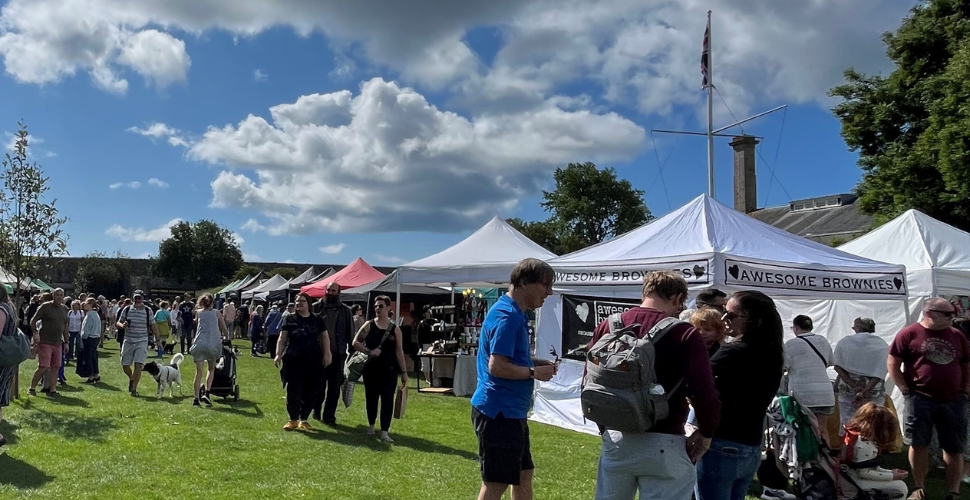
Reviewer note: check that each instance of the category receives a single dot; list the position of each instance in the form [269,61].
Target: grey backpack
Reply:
[620,390]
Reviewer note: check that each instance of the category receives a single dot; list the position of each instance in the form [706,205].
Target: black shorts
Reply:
[503,447]
[948,417]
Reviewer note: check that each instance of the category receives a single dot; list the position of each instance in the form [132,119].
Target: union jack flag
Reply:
[706,53]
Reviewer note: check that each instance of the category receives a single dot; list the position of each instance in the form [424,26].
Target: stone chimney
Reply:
[745,178]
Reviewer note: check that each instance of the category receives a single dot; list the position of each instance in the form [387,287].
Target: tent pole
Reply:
[397,303]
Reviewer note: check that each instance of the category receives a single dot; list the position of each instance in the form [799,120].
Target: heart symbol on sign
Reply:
[733,270]
[582,311]
[898,282]
[698,271]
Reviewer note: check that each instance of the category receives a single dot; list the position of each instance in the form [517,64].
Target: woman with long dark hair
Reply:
[382,340]
[747,373]
[303,350]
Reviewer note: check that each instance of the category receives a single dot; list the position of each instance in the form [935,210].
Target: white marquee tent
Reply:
[484,259]
[936,255]
[711,245]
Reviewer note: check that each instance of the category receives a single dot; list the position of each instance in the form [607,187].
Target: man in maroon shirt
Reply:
[936,383]
[660,463]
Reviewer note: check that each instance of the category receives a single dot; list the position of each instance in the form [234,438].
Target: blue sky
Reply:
[395,133]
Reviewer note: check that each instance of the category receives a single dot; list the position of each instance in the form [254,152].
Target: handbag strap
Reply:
[810,344]
[390,328]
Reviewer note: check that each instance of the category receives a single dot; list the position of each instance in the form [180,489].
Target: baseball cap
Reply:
[138,294]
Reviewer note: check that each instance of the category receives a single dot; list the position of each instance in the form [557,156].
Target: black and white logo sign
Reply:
[696,272]
[581,316]
[750,274]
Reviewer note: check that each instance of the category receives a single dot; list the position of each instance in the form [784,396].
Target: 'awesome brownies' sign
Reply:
[756,275]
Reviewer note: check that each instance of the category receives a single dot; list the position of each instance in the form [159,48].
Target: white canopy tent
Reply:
[936,255]
[484,259]
[264,288]
[710,245]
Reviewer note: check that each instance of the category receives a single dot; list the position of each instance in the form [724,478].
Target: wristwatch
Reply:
[532,373]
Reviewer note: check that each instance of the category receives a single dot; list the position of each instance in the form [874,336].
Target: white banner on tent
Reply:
[752,274]
[696,272]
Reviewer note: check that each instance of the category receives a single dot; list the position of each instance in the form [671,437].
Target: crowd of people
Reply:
[310,343]
[720,368]
[719,371]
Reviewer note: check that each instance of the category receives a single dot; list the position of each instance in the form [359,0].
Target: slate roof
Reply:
[836,216]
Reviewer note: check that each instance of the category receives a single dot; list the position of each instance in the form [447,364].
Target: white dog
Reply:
[167,375]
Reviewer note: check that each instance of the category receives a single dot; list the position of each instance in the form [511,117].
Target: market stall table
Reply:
[461,369]
[466,375]
[437,372]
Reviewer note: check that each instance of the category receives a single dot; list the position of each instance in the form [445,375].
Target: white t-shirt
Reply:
[808,378]
[74,319]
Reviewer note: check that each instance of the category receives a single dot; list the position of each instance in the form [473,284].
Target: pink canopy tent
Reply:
[358,273]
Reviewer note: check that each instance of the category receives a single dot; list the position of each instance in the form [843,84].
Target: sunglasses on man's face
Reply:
[948,314]
[378,306]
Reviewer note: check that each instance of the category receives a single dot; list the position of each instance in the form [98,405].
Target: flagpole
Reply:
[710,109]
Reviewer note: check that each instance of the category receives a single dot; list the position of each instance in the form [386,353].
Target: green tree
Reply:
[246,270]
[588,206]
[912,127]
[102,275]
[203,252]
[286,272]
[30,227]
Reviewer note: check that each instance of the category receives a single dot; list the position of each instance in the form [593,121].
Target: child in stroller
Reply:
[872,431]
[853,475]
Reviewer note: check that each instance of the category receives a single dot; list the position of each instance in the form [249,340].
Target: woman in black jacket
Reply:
[747,373]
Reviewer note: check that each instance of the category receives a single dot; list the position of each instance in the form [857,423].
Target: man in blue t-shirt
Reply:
[506,374]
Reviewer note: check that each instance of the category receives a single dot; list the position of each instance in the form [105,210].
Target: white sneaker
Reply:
[370,431]
[386,438]
[773,494]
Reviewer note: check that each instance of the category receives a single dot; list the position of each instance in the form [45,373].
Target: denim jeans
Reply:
[652,464]
[726,470]
[73,345]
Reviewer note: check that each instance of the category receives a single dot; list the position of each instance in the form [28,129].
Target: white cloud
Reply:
[32,143]
[141,234]
[646,53]
[388,260]
[158,57]
[260,76]
[155,130]
[333,249]
[238,239]
[253,226]
[158,183]
[158,130]
[325,160]
[289,261]
[144,255]
[45,41]
[251,257]
[130,185]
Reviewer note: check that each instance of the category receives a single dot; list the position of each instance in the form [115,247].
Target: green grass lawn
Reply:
[99,442]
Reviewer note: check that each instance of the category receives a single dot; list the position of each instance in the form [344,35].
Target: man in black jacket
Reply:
[340,326]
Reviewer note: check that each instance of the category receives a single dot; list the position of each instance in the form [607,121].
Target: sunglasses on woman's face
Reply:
[729,316]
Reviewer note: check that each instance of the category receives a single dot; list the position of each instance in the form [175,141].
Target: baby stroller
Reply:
[224,380]
[816,474]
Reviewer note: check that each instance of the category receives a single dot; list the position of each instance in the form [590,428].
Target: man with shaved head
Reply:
[340,325]
[930,363]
